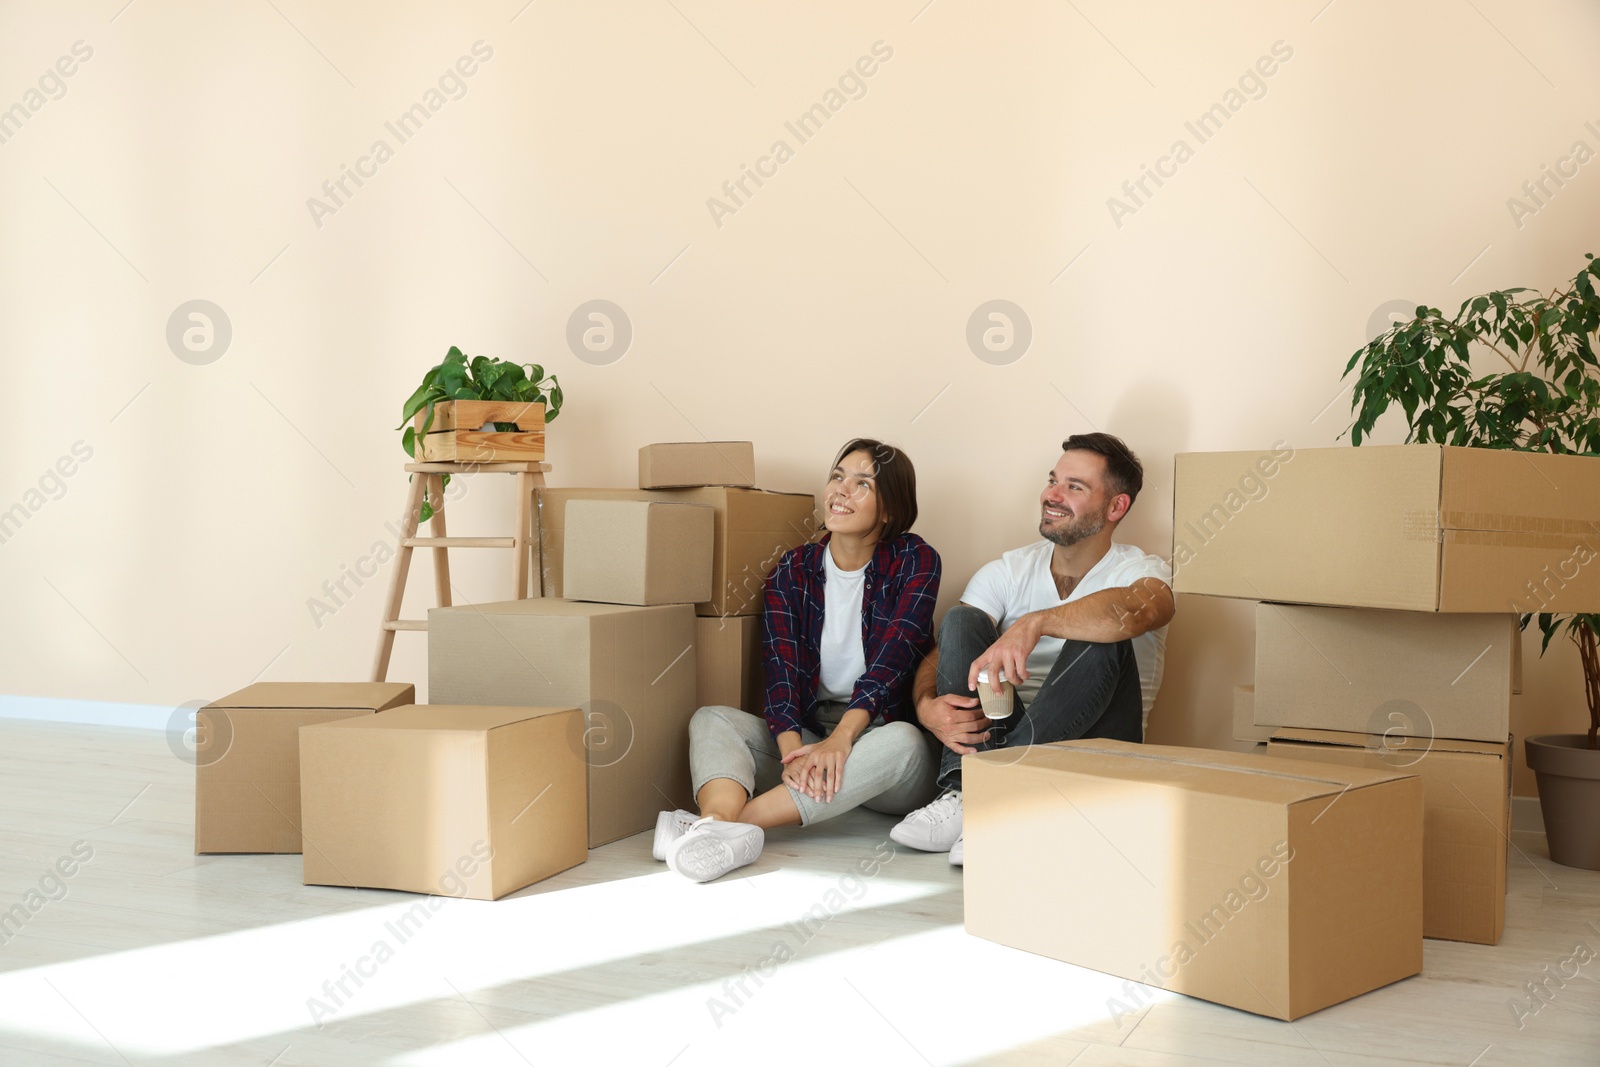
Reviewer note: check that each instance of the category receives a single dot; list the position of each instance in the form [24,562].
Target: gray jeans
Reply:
[890,769]
[1092,691]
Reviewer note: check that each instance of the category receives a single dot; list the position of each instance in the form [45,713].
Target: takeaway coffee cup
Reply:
[995,706]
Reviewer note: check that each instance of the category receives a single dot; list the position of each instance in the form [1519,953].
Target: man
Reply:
[1076,621]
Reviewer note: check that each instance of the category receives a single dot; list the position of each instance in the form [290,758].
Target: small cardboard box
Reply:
[1244,716]
[687,464]
[728,666]
[1466,814]
[630,669]
[247,762]
[1385,672]
[638,552]
[754,528]
[1271,885]
[466,802]
[1411,527]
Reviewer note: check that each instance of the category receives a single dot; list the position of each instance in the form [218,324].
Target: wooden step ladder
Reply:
[430,476]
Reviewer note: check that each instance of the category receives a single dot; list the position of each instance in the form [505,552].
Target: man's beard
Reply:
[1070,533]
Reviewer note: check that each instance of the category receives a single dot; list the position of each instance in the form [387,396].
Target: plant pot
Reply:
[456,435]
[1569,796]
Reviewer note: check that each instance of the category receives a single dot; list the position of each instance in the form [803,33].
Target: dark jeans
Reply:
[1092,691]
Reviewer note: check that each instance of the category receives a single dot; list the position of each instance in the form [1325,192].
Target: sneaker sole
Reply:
[705,859]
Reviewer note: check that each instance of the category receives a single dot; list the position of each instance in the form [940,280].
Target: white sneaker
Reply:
[670,825]
[934,828]
[711,848]
[957,854]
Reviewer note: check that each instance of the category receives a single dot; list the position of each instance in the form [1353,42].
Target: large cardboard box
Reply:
[631,670]
[1385,672]
[1271,885]
[468,802]
[754,528]
[1466,815]
[1414,527]
[247,758]
[683,464]
[638,552]
[728,669]
[1244,716]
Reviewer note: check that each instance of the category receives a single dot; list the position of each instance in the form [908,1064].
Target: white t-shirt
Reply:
[842,660]
[1019,582]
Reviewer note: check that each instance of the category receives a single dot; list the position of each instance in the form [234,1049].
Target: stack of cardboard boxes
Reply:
[1390,582]
[643,590]
[752,530]
[558,724]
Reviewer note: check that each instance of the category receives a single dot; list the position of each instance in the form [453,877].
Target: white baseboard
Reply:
[1526,814]
[85,712]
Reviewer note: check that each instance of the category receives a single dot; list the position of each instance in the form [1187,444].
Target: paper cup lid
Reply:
[983,676]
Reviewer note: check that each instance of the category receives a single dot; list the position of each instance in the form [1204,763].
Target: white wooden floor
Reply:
[153,955]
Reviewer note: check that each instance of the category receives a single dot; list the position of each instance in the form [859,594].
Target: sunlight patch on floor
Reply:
[868,1004]
[196,994]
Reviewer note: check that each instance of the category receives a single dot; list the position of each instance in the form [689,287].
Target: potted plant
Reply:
[1545,399]
[482,410]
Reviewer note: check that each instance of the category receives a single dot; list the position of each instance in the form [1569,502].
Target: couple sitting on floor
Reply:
[862,709]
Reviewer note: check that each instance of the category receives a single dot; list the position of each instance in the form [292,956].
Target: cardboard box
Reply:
[467,802]
[631,670]
[754,528]
[1385,672]
[1466,814]
[1271,885]
[728,668]
[1413,527]
[638,552]
[247,762]
[1244,716]
[685,464]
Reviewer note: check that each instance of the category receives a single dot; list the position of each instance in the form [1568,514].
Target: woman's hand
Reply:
[818,770]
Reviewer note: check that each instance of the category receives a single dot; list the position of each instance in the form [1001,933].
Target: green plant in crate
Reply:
[1546,399]
[480,378]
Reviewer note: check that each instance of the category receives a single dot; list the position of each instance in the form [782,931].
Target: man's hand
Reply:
[957,721]
[1010,653]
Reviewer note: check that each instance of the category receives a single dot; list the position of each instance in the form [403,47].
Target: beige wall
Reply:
[977,165]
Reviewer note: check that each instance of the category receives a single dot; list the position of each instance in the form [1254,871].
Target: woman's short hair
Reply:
[896,481]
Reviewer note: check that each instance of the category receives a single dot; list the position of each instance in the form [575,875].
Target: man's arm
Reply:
[1111,615]
[1105,617]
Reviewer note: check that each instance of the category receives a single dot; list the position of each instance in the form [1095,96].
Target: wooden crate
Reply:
[455,436]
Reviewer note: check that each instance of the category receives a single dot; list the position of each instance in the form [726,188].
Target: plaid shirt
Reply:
[902,583]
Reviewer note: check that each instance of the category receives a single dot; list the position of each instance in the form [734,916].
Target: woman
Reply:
[847,620]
